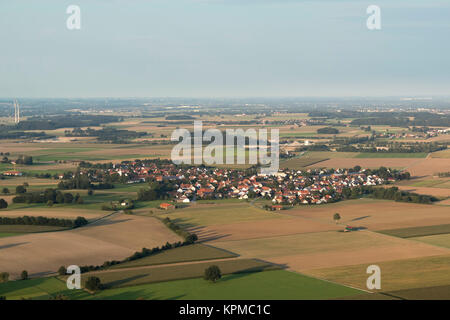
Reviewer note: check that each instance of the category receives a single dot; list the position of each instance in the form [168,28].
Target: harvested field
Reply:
[301,162]
[218,213]
[437,192]
[376,214]
[395,275]
[441,154]
[365,155]
[261,229]
[395,163]
[330,249]
[114,238]
[429,166]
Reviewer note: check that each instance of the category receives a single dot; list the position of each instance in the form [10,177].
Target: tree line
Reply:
[49,196]
[43,221]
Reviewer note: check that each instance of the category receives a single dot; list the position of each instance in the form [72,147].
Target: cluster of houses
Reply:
[313,186]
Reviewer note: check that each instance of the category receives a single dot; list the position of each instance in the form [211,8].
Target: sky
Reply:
[224,48]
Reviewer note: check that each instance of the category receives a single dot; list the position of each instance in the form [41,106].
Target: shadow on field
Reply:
[6,246]
[206,235]
[117,283]
[360,218]
[106,222]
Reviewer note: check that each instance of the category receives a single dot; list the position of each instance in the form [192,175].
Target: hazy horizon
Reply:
[225,49]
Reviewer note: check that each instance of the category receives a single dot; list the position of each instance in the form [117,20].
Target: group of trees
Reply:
[106,134]
[43,221]
[328,130]
[3,204]
[83,182]
[395,147]
[48,196]
[156,190]
[392,193]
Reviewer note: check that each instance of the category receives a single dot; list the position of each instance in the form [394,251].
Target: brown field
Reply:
[429,166]
[261,229]
[441,154]
[396,163]
[377,214]
[437,192]
[7,199]
[16,181]
[330,249]
[114,238]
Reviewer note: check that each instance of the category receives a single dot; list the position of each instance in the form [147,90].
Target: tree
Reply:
[5,191]
[21,189]
[93,284]
[336,217]
[3,204]
[4,277]
[212,273]
[62,271]
[24,275]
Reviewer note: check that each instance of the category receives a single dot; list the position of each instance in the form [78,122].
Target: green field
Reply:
[395,275]
[391,155]
[278,285]
[15,229]
[434,183]
[151,274]
[441,240]
[7,234]
[418,231]
[195,252]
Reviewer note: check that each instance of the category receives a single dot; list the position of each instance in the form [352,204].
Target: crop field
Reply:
[151,274]
[17,229]
[60,211]
[396,274]
[329,249]
[301,162]
[195,252]
[427,293]
[418,231]
[112,238]
[391,155]
[7,234]
[395,163]
[440,240]
[441,154]
[213,214]
[284,225]
[434,191]
[273,285]
[429,167]
[432,183]
[376,214]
